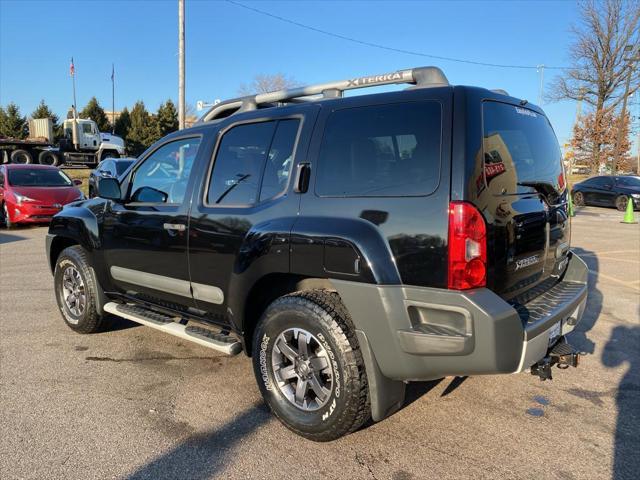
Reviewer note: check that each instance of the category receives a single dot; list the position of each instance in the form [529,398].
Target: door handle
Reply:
[175,226]
[301,184]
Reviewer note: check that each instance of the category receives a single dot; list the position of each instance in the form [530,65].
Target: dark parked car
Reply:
[608,191]
[110,167]
[347,244]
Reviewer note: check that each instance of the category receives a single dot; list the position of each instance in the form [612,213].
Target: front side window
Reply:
[628,181]
[87,128]
[253,163]
[162,177]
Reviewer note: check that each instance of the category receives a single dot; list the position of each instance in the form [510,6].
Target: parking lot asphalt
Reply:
[131,402]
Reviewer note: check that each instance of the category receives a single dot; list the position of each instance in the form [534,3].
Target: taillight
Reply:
[467,247]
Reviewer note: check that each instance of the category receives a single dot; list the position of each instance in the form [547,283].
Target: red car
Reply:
[34,193]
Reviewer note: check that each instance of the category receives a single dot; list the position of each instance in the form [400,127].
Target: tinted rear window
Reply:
[381,150]
[519,147]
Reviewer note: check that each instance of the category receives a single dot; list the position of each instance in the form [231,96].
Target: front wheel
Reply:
[578,199]
[309,367]
[76,291]
[5,216]
[621,202]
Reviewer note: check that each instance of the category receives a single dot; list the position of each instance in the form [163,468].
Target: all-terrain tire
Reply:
[322,314]
[74,260]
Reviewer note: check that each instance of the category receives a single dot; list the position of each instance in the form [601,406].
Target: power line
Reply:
[384,47]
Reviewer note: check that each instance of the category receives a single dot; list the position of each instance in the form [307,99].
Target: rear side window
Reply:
[520,149]
[381,150]
[253,162]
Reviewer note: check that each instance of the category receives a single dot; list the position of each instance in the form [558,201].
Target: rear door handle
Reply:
[301,184]
[175,226]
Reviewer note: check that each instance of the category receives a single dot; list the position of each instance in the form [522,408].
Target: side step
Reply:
[166,323]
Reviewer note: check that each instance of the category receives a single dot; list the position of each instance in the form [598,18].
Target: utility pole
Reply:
[113,99]
[630,61]
[181,108]
[540,70]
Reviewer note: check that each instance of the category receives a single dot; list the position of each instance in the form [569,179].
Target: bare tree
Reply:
[599,61]
[599,67]
[264,83]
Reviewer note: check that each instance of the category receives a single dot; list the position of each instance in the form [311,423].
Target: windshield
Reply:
[520,149]
[628,181]
[38,177]
[122,165]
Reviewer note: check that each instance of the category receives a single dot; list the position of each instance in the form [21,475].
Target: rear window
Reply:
[520,148]
[381,150]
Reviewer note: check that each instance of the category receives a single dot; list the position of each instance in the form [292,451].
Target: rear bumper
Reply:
[420,333]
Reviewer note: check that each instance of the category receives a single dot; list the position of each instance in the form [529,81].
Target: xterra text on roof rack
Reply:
[347,244]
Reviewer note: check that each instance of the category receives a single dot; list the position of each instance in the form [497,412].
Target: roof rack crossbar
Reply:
[420,77]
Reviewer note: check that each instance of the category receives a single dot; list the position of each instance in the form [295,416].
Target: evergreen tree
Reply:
[12,124]
[141,130]
[95,112]
[123,123]
[43,111]
[167,118]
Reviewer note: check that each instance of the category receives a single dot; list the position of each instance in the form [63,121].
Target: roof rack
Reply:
[419,77]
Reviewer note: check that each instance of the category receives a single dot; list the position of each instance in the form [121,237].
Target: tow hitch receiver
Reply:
[561,354]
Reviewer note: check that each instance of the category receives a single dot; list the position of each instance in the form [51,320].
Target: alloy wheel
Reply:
[73,291]
[302,369]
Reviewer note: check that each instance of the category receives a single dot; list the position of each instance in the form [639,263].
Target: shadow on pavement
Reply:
[579,337]
[112,323]
[622,347]
[10,238]
[207,454]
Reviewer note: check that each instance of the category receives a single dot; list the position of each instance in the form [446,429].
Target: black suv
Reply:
[347,244]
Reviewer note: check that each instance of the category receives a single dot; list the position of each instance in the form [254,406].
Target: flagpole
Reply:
[113,100]
[73,78]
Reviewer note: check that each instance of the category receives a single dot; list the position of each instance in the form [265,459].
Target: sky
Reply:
[227,45]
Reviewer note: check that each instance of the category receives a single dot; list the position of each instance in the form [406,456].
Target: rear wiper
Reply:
[546,189]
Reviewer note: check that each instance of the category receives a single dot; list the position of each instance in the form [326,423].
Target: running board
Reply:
[207,338]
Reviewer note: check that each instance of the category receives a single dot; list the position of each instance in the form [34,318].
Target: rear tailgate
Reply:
[523,196]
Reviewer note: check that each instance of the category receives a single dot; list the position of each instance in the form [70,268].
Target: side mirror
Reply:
[77,181]
[149,195]
[109,188]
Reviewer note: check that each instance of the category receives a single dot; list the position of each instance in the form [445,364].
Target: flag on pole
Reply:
[72,68]
[113,72]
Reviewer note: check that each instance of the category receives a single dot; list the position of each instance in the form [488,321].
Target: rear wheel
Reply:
[309,367]
[621,202]
[578,199]
[47,157]
[76,291]
[21,156]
